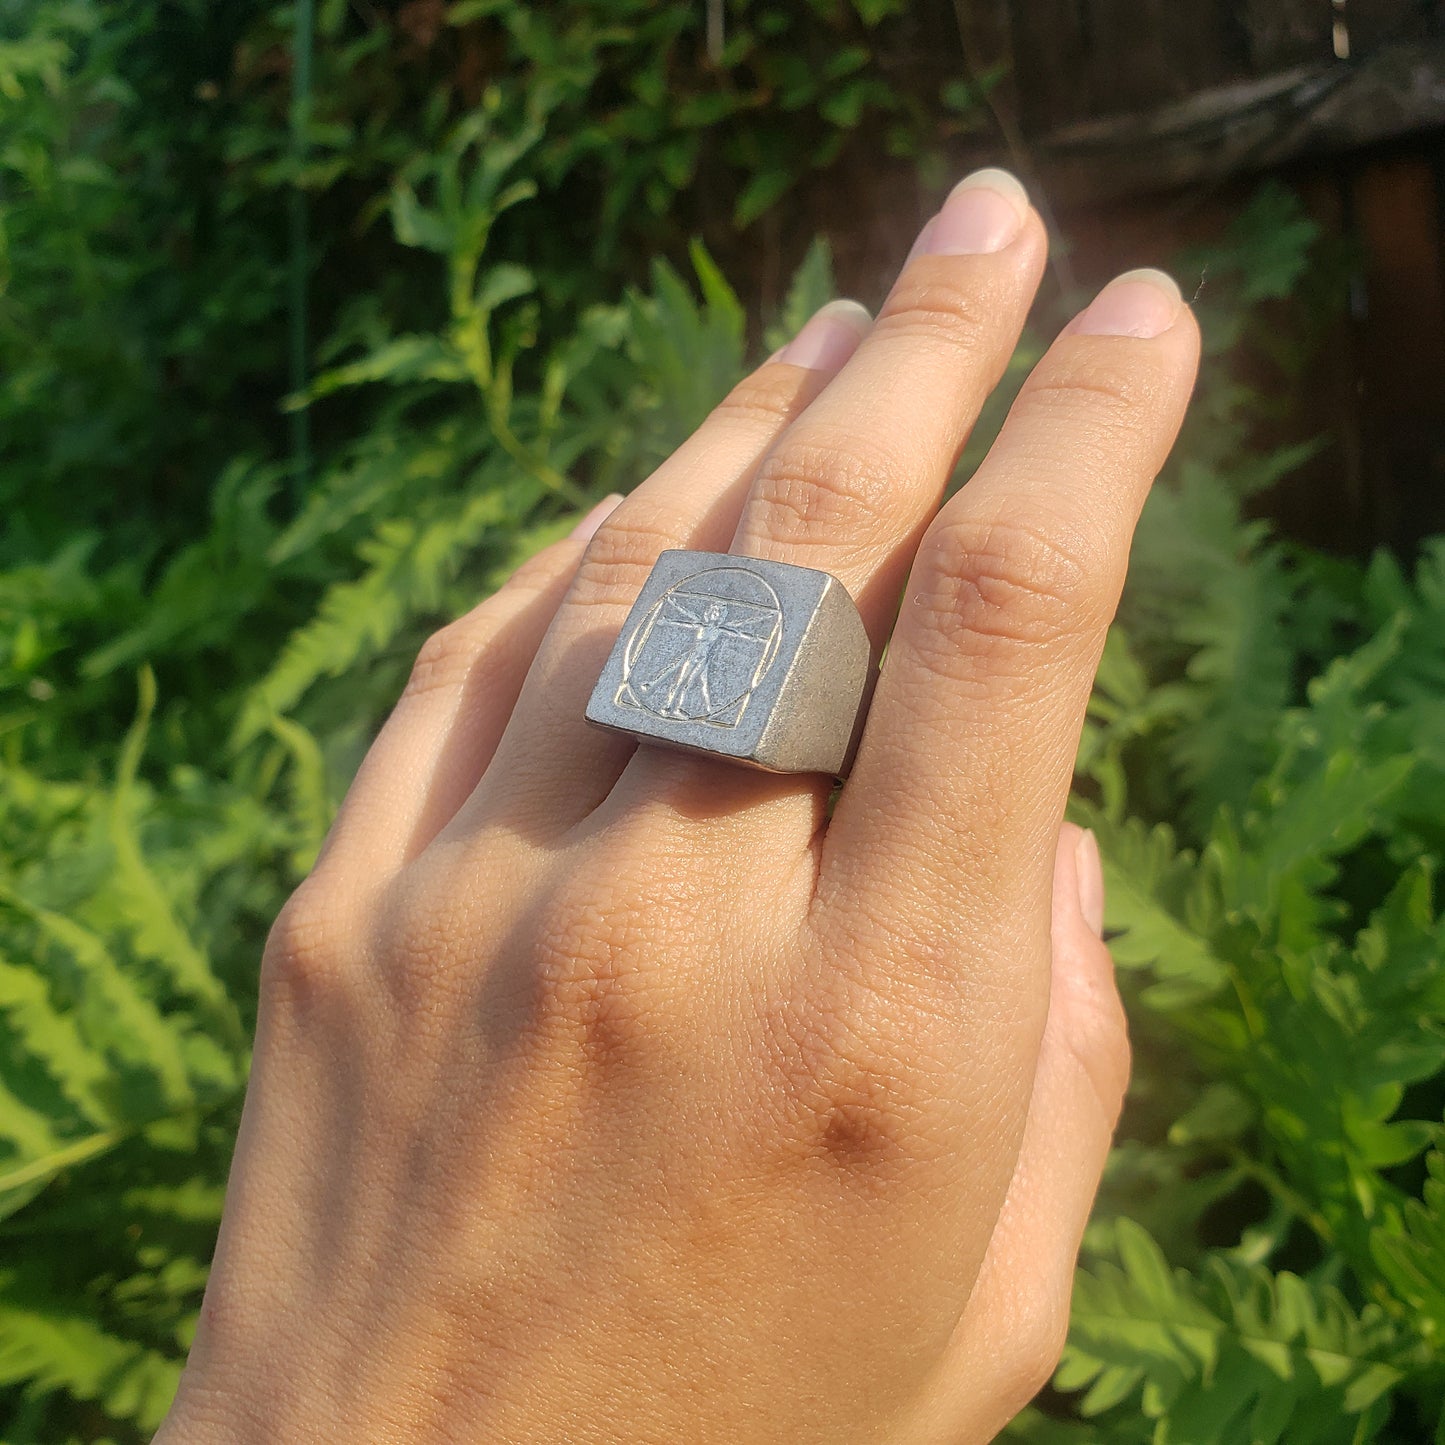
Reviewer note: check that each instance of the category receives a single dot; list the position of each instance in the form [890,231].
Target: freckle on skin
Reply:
[847,1133]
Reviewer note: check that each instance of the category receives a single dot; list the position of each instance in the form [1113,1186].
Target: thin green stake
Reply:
[300,241]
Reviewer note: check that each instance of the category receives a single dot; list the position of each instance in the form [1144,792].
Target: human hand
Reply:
[609,1095]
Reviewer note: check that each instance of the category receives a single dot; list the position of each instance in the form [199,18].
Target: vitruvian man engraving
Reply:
[700,653]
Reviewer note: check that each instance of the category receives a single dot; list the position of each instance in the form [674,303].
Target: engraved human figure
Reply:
[685,678]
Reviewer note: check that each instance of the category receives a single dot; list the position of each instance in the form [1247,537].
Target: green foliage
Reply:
[189,675]
[1229,1352]
[132,912]
[122,1060]
[195,649]
[1263,766]
[146,164]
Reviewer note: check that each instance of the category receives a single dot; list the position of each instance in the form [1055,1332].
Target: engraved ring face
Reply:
[703,648]
[764,663]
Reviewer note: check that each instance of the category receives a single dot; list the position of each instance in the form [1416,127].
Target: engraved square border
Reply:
[799,591]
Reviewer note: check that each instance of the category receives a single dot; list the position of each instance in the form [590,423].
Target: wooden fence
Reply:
[1147,124]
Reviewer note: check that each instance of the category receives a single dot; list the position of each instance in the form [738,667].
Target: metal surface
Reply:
[762,663]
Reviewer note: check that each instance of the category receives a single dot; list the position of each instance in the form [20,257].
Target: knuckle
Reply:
[1010,578]
[1098,1043]
[1037,1336]
[448,656]
[308,951]
[826,487]
[597,984]
[431,938]
[939,311]
[861,1124]
[1091,394]
[763,400]
[622,554]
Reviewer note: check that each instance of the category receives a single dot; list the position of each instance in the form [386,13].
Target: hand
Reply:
[609,1095]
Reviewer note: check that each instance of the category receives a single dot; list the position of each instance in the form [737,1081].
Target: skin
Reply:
[606,1094]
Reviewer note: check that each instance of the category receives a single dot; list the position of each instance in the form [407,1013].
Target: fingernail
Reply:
[921,240]
[1138,303]
[830,337]
[586,529]
[1090,871]
[983,213]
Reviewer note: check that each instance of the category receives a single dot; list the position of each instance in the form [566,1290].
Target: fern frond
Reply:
[812,286]
[398,361]
[1163,908]
[1242,668]
[53,1038]
[685,353]
[156,931]
[27,1130]
[408,562]
[47,1351]
[1410,1251]
[111,1006]
[399,469]
[1233,1352]
[209,586]
[20,1182]
[311,805]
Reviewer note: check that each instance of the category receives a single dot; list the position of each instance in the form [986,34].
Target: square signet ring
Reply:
[763,663]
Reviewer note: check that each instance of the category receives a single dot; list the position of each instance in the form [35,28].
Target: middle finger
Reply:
[850,485]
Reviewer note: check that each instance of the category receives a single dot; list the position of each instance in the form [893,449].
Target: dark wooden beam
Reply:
[1246,126]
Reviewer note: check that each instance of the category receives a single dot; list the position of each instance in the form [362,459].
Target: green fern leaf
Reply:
[49,1351]
[110,1005]
[401,360]
[54,1039]
[29,1133]
[408,563]
[1201,1354]
[156,931]
[1410,1251]
[812,286]
[1162,907]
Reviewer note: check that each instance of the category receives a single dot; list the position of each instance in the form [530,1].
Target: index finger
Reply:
[943,836]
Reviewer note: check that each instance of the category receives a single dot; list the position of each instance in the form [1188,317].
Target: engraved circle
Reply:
[703,648]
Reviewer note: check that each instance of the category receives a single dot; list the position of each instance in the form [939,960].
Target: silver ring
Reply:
[763,663]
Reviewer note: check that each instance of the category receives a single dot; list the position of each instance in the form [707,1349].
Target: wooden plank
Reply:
[1248,126]
[1281,34]
[1080,59]
[1396,203]
[1050,58]
[1370,24]
[1326,503]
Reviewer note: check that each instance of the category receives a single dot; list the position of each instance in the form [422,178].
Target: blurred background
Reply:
[316,318]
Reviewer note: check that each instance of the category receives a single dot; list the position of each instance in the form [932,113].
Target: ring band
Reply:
[763,663]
